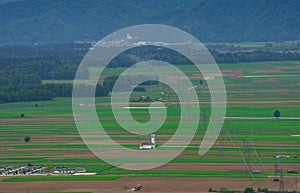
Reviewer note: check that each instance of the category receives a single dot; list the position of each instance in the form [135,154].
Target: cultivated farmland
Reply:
[250,139]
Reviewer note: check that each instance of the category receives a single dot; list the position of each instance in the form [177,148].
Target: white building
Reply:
[65,170]
[150,145]
[283,156]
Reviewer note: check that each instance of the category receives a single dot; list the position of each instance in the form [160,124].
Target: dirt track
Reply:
[155,185]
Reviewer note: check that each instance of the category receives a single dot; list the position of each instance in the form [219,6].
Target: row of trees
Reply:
[135,55]
[253,56]
[40,92]
[18,78]
[33,92]
[246,190]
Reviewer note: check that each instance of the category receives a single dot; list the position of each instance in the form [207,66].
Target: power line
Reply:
[296,184]
[276,171]
[231,127]
[247,158]
[221,142]
[281,183]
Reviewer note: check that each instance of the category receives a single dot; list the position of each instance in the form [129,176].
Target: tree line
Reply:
[233,55]
[23,67]
[253,56]
[39,92]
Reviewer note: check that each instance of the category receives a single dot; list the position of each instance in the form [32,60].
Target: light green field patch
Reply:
[60,178]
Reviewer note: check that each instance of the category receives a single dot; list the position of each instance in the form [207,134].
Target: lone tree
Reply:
[48,167]
[201,82]
[249,190]
[277,114]
[22,115]
[27,139]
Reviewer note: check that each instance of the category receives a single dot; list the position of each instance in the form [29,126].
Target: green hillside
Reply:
[32,21]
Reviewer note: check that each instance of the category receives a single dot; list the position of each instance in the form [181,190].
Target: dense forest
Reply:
[51,61]
[39,21]
[24,67]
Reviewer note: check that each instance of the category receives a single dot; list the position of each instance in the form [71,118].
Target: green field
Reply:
[254,90]
[60,178]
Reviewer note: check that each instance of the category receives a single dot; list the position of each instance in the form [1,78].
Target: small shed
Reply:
[79,170]
[256,171]
[63,171]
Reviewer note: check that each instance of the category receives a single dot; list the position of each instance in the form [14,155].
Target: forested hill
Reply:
[32,21]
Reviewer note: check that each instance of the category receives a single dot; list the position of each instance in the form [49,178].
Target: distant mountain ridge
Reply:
[41,21]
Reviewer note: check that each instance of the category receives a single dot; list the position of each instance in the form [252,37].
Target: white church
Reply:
[150,145]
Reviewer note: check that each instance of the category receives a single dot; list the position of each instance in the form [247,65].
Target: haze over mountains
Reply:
[40,21]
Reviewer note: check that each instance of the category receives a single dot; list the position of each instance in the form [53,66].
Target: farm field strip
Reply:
[59,178]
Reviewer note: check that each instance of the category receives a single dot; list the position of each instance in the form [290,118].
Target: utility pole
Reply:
[276,171]
[296,184]
[247,160]
[221,143]
[231,127]
[281,184]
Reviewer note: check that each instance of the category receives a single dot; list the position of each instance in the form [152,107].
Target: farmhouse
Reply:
[64,170]
[79,170]
[256,171]
[283,156]
[151,145]
[59,170]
